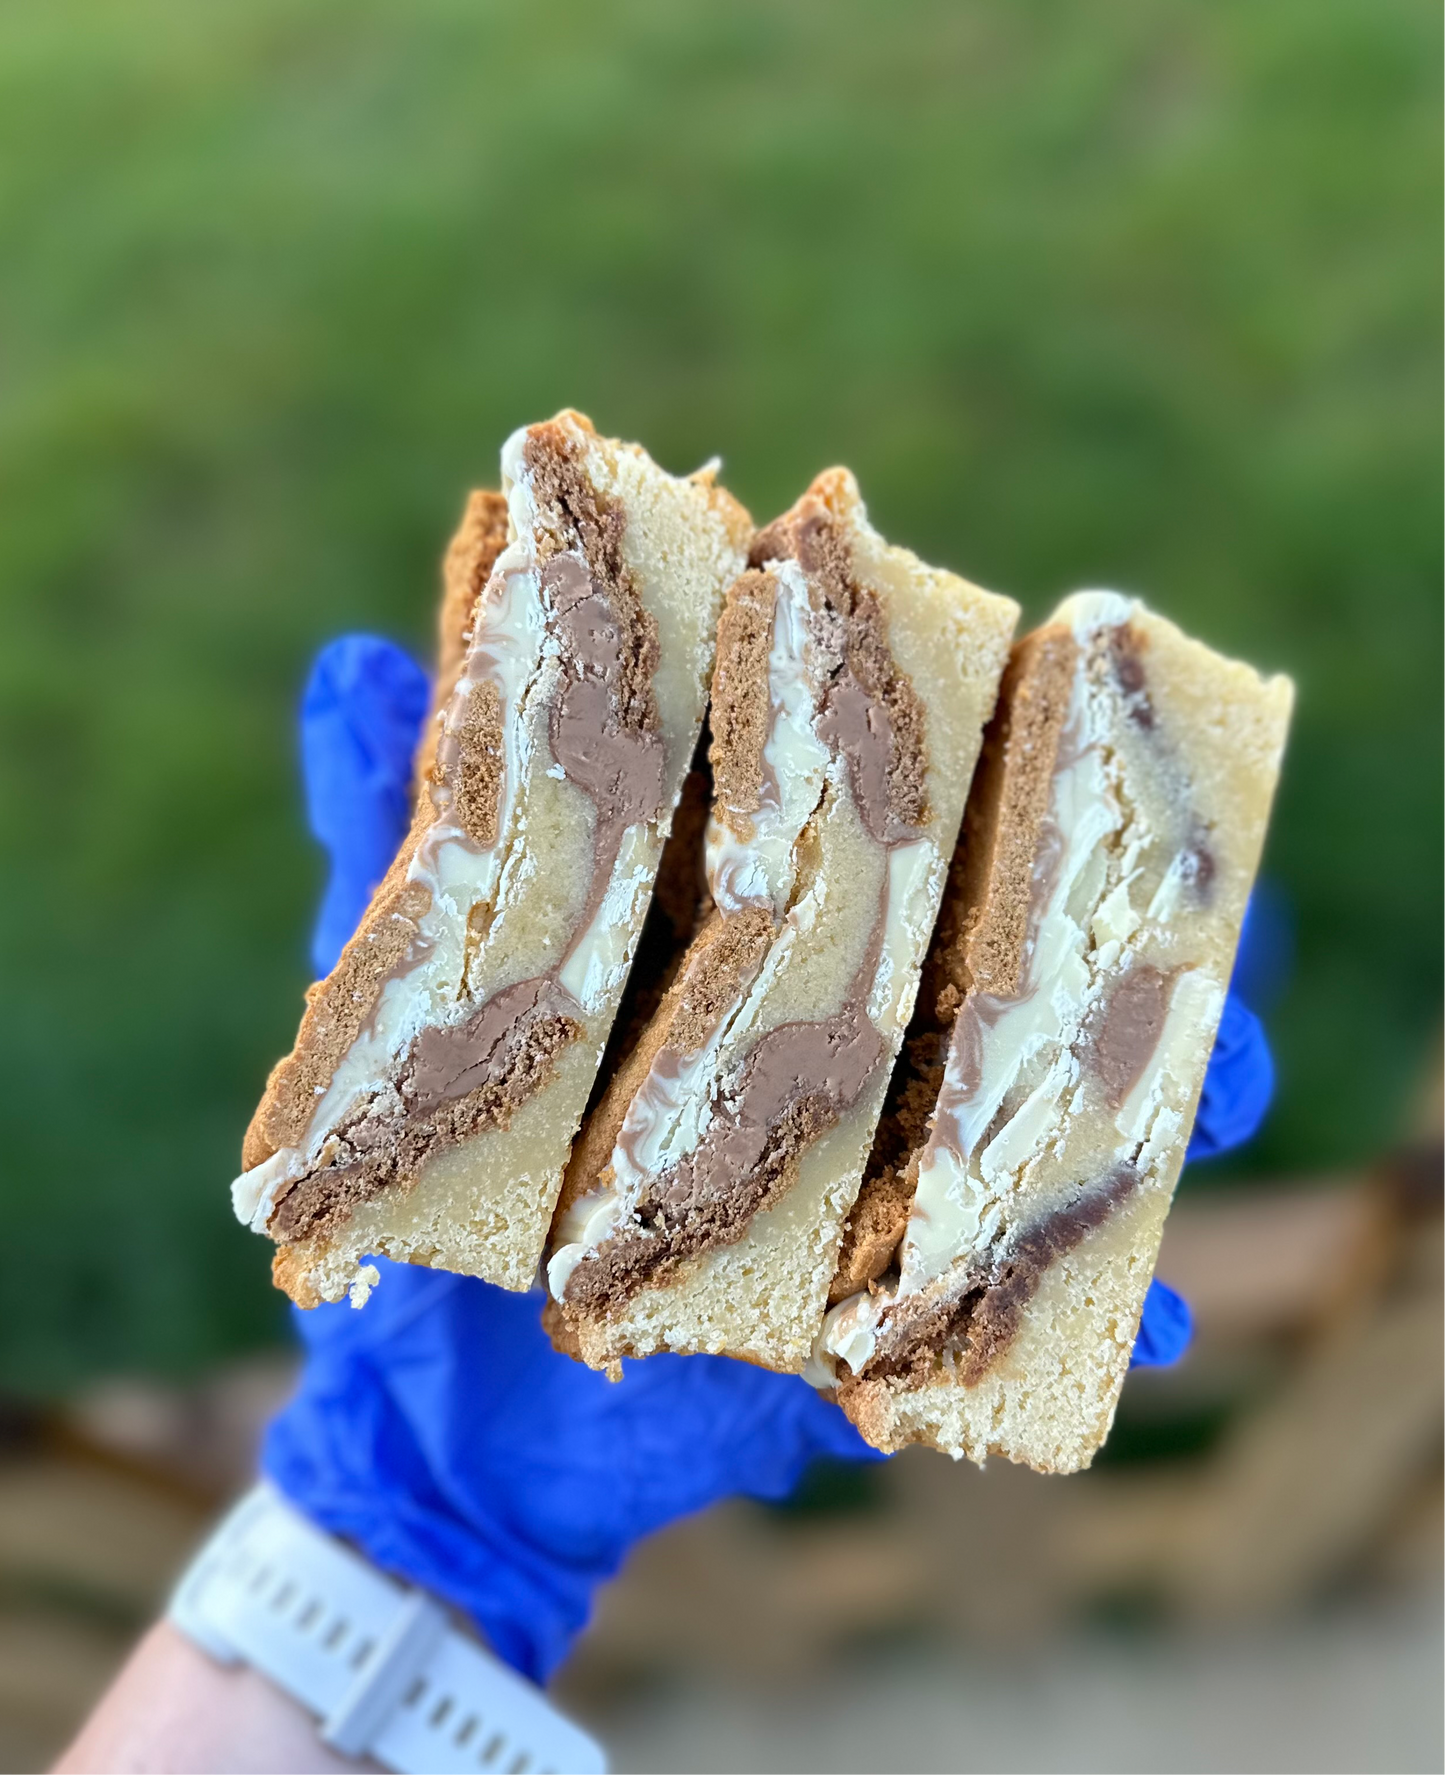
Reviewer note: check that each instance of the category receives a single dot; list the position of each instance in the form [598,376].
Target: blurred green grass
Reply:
[1142,293]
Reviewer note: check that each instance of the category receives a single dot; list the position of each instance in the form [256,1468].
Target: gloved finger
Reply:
[1265,959]
[503,1334]
[1238,1084]
[441,1431]
[1166,1328]
[361,715]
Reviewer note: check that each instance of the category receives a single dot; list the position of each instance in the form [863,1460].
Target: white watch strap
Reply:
[381,1665]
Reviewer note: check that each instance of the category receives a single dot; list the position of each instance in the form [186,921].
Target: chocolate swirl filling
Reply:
[966,1331]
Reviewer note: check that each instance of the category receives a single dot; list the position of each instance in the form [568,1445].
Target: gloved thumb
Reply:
[361,715]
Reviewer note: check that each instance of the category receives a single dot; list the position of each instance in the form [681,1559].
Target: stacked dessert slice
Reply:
[442,1068]
[982,1248]
[706,1197]
[991,1283]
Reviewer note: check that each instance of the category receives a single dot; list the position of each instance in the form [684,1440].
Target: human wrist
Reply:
[379,1663]
[172,1708]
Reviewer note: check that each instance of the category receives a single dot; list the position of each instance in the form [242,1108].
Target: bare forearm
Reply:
[173,1709]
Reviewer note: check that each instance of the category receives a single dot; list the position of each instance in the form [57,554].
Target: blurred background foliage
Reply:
[1141,293]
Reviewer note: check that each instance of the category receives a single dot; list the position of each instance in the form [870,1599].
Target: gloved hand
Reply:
[438,1429]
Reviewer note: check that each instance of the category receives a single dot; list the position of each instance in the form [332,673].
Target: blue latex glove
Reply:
[438,1429]
[360,716]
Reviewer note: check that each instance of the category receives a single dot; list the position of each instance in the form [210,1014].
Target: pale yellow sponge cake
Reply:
[707,1194]
[996,1263]
[442,1068]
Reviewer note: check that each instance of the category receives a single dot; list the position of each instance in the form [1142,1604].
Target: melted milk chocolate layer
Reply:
[869,712]
[796,1082]
[460,1081]
[1123,1043]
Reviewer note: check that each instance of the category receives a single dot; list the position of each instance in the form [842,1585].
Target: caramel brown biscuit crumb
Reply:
[741,706]
[716,974]
[985,947]
[561,1331]
[873,1233]
[469,763]
[886,1193]
[290,1273]
[470,557]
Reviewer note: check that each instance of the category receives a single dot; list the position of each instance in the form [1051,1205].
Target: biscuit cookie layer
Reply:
[990,1287]
[707,1194]
[443,1066]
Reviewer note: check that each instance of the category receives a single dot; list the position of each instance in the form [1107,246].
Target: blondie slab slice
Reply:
[442,1068]
[995,1267]
[706,1197]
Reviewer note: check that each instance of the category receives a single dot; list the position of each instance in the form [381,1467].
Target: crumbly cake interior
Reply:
[442,1068]
[989,1290]
[850,689]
